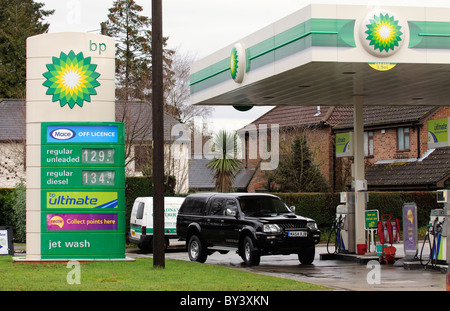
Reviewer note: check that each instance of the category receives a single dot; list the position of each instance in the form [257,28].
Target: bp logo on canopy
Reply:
[382,33]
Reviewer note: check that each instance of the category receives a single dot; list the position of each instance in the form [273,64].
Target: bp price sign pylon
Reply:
[75,150]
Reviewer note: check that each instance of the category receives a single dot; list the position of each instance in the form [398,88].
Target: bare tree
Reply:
[12,163]
[136,115]
[177,90]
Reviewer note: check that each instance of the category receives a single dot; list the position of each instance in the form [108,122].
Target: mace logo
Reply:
[62,134]
[71,79]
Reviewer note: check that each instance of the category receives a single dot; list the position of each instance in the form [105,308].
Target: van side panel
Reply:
[171,208]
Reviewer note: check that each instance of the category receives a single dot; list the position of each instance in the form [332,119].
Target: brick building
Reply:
[395,137]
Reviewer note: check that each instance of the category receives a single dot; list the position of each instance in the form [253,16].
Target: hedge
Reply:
[319,206]
[322,206]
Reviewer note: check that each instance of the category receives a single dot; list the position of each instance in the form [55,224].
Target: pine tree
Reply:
[132,33]
[19,19]
[297,171]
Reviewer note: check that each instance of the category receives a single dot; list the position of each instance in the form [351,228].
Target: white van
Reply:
[141,221]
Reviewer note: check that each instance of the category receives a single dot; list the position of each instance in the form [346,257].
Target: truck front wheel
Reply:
[249,252]
[306,255]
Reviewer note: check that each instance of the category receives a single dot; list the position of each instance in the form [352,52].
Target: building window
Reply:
[403,138]
[368,144]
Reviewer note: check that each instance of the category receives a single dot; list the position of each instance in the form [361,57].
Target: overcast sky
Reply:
[201,27]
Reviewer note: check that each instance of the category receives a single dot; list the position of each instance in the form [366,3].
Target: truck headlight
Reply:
[271,228]
[312,225]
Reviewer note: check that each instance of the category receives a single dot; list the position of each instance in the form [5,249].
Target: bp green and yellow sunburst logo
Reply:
[234,62]
[71,79]
[383,35]
[238,62]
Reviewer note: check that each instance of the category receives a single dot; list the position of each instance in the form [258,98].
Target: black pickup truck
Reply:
[251,224]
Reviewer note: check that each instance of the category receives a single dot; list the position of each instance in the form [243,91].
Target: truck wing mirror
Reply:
[231,212]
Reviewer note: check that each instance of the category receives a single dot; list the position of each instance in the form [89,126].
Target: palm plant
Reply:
[225,164]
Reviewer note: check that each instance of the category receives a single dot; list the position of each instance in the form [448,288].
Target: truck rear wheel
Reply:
[197,250]
[147,245]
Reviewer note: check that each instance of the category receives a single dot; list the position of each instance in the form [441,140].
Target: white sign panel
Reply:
[4,249]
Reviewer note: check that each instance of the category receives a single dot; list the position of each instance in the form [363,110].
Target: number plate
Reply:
[297,233]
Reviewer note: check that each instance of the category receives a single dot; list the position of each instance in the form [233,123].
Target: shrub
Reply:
[13,211]
[5,208]
[19,213]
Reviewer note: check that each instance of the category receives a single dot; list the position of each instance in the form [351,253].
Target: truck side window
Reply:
[231,208]
[140,211]
[217,207]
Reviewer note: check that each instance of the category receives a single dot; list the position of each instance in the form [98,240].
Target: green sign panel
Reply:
[82,245]
[344,145]
[54,155]
[81,178]
[371,219]
[82,190]
[438,134]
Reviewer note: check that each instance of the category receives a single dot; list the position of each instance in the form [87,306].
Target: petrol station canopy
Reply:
[328,54]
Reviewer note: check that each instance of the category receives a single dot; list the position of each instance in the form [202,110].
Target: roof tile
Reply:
[429,171]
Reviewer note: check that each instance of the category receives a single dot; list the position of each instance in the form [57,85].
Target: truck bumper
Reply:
[281,244]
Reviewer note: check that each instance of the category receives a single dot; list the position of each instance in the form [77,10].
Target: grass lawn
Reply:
[139,276]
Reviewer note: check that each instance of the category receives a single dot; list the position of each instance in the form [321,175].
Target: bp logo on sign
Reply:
[71,79]
[382,33]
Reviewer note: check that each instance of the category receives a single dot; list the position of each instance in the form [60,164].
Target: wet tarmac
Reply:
[348,273]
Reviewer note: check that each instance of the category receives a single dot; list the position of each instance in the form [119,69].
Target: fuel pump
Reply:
[344,224]
[339,223]
[436,236]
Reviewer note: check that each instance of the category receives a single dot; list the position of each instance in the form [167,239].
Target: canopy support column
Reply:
[360,184]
